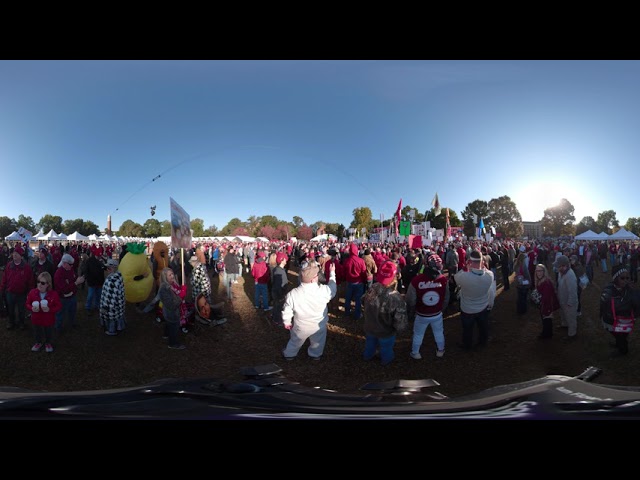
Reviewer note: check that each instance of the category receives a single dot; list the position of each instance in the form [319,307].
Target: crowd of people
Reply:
[387,286]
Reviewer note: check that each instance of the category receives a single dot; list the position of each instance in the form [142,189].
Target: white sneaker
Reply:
[440,353]
[416,356]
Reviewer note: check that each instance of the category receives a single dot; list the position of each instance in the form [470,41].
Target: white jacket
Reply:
[307,303]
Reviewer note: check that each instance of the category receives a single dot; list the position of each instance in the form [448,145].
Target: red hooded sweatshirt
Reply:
[354,268]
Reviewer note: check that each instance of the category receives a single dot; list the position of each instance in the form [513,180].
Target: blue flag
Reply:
[481,224]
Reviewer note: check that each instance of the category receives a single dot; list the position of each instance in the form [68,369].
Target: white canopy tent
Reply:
[76,236]
[14,237]
[62,236]
[243,239]
[603,236]
[623,234]
[52,235]
[39,235]
[588,235]
[324,237]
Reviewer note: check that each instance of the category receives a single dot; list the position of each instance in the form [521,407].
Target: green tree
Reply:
[269,220]
[165,227]
[587,223]
[26,222]
[8,226]
[361,219]
[406,211]
[89,228]
[230,227]
[197,225]
[129,228]
[558,220]
[70,226]
[334,228]
[633,225]
[480,209]
[152,228]
[437,221]
[607,221]
[253,225]
[316,226]
[211,231]
[47,222]
[297,222]
[505,217]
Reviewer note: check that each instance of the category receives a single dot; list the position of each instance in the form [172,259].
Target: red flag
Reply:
[398,211]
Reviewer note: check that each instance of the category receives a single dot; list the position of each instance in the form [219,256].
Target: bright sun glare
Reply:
[536,197]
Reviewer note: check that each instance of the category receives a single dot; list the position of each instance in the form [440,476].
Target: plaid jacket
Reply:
[112,300]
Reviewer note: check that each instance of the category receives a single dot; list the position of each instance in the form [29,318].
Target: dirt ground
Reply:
[87,359]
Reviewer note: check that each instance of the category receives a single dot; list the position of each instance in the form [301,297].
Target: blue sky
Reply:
[316,139]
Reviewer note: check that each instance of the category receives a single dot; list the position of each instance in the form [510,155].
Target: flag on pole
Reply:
[436,205]
[448,224]
[397,222]
[398,211]
[481,224]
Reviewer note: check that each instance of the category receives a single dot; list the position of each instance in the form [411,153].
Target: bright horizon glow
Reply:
[315,139]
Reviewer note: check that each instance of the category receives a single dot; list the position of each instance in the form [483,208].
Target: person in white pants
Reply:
[305,312]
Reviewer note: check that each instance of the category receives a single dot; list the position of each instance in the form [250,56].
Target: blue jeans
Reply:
[93,298]
[383,345]
[354,291]
[171,330]
[603,264]
[589,269]
[69,307]
[20,300]
[481,319]
[420,326]
[261,291]
[229,278]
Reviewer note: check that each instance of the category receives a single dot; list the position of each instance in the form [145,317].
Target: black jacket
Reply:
[626,303]
[94,271]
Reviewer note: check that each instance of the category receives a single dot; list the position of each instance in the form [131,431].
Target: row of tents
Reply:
[621,234]
[75,236]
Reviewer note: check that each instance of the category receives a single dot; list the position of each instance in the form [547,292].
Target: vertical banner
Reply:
[180,226]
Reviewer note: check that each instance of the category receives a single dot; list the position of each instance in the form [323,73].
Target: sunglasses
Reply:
[625,277]
[43,283]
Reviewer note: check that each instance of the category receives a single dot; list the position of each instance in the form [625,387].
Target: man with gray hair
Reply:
[305,312]
[477,294]
[567,296]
